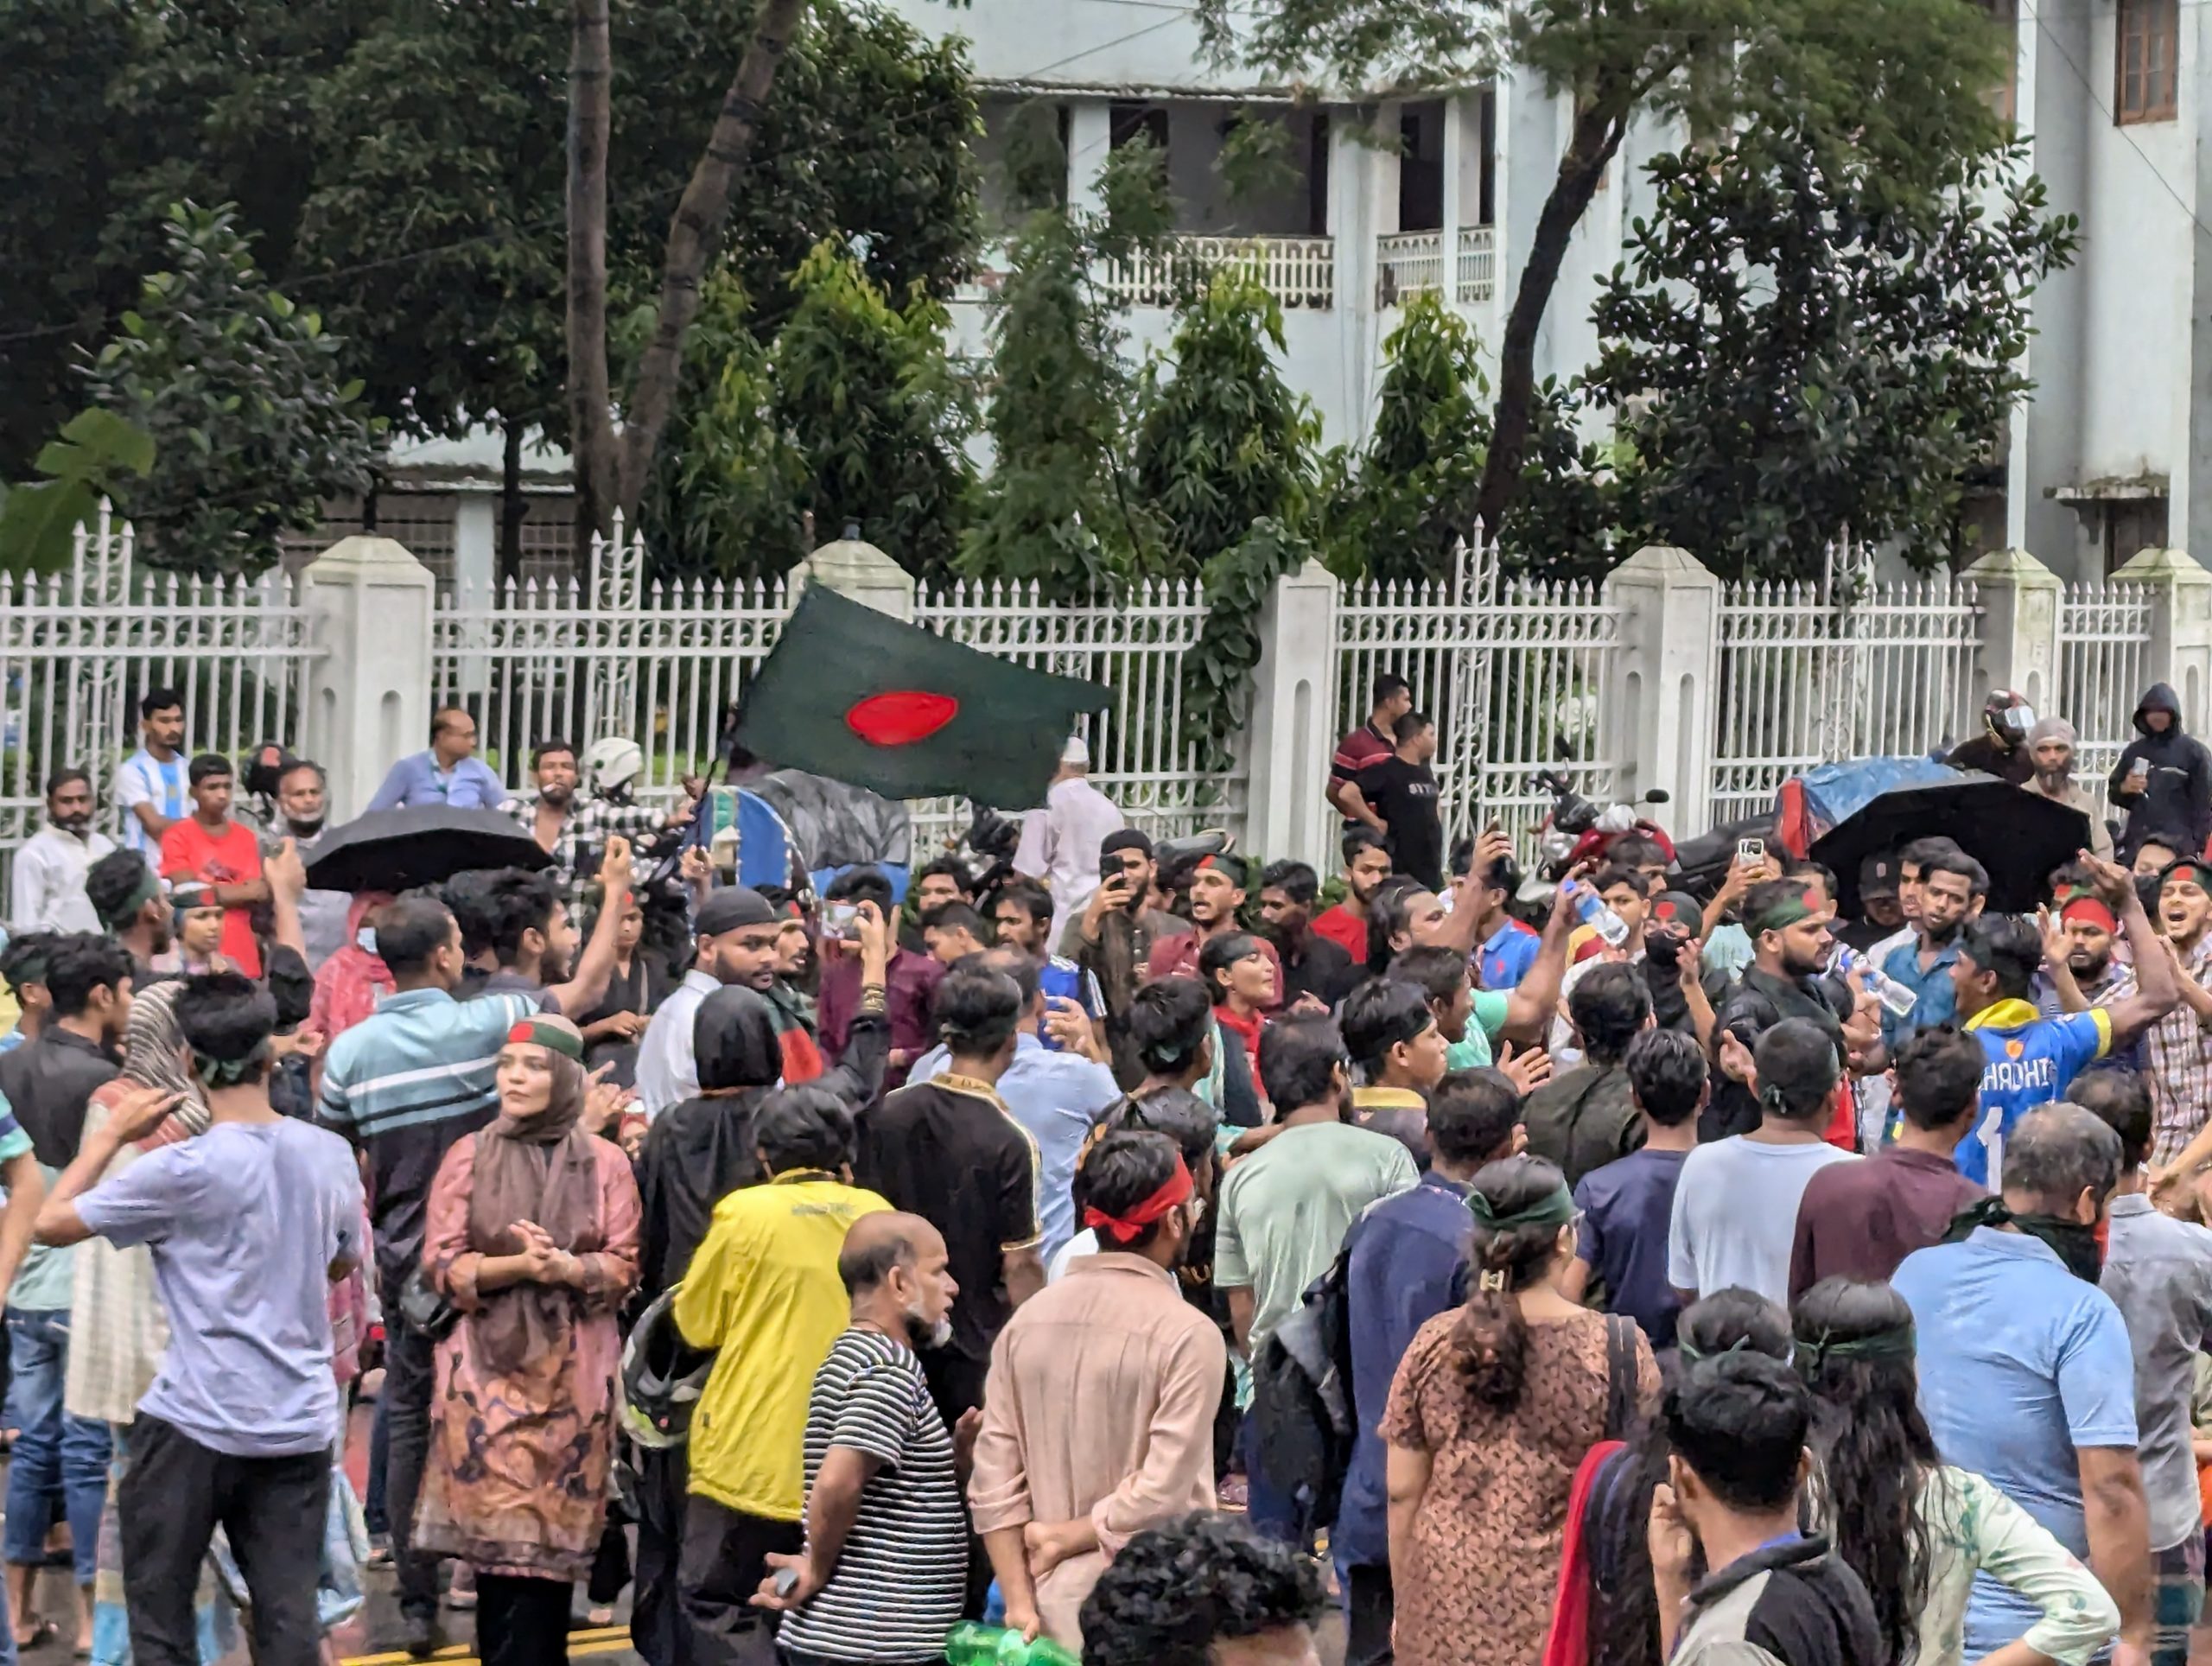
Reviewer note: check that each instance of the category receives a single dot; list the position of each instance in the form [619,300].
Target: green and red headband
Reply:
[543,1031]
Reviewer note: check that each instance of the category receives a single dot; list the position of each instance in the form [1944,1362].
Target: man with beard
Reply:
[1021,911]
[549,813]
[1218,887]
[1952,890]
[2180,1044]
[1788,923]
[133,909]
[1098,1410]
[302,815]
[1367,864]
[1312,964]
[534,940]
[2050,745]
[2078,952]
[48,893]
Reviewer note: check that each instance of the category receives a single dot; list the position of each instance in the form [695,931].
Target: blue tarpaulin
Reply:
[1833,793]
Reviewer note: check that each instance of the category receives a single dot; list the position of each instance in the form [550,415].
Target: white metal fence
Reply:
[1299,272]
[1518,675]
[1477,276]
[2103,629]
[79,648]
[1847,667]
[1406,263]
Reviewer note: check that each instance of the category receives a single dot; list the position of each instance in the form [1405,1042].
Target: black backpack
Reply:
[1302,1397]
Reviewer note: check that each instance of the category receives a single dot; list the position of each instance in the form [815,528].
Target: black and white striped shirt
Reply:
[896,1591]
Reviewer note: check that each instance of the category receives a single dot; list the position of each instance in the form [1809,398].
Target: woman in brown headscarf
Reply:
[533,1237]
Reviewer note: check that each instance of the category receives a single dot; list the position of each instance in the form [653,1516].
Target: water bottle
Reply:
[1897,1000]
[1590,908]
[971,1644]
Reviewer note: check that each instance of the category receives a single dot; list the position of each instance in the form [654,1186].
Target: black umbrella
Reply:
[398,850]
[2020,837]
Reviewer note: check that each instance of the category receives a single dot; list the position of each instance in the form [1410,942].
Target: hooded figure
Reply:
[2051,746]
[2163,780]
[700,1151]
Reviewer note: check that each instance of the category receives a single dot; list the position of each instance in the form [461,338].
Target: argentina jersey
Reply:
[2028,1061]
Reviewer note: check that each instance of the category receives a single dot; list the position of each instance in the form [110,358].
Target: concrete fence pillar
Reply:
[1291,737]
[860,572]
[2020,604]
[1661,724]
[2179,653]
[368,701]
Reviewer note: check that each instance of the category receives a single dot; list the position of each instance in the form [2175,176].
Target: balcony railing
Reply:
[1299,272]
[1407,263]
[1477,274]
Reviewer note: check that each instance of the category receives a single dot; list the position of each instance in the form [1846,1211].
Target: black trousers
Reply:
[725,1558]
[409,1375]
[658,1629]
[1368,1609]
[174,1493]
[522,1622]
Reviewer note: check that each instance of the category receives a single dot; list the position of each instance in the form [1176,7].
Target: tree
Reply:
[238,391]
[1056,505]
[1897,84]
[1793,352]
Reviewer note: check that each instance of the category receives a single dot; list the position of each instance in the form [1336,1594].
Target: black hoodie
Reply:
[2177,798]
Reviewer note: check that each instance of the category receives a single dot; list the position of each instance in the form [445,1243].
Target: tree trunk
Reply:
[1597,133]
[591,420]
[512,507]
[692,237]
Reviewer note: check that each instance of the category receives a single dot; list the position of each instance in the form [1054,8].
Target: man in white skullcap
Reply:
[1060,843]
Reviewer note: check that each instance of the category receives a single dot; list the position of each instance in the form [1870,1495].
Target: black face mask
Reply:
[2074,1244]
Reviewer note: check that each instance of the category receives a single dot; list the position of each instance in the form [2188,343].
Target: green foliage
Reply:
[1793,351]
[1561,522]
[97,453]
[853,414]
[239,391]
[1217,692]
[1411,498]
[1056,506]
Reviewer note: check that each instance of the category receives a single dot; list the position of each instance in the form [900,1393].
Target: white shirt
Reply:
[1735,1216]
[1060,845]
[1562,1042]
[50,886]
[143,780]
[668,1062]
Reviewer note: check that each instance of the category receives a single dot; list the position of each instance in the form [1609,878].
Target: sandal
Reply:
[42,1633]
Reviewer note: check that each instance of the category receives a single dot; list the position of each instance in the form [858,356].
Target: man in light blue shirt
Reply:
[1059,1096]
[150,791]
[1952,887]
[2026,1374]
[450,773]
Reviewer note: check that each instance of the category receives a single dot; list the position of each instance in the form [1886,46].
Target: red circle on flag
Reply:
[901,717]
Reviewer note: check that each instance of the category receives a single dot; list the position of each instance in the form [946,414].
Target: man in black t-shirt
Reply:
[1402,788]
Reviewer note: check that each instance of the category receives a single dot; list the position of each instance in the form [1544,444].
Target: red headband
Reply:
[1123,1228]
[2092,909]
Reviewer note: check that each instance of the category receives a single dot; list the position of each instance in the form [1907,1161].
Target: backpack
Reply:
[1301,1397]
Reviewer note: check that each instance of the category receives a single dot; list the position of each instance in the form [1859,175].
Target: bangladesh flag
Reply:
[861,697]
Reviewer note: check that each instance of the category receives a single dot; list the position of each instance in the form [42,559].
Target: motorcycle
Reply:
[1579,829]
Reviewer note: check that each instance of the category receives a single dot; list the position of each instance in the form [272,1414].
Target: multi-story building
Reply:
[2096,466]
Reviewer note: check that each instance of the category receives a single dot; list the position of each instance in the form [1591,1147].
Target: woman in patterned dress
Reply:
[533,1238]
[1492,1410]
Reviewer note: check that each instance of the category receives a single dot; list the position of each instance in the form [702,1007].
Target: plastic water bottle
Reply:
[971,1644]
[1590,908]
[1897,1000]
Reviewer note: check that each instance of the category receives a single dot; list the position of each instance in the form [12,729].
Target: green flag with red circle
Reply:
[866,699]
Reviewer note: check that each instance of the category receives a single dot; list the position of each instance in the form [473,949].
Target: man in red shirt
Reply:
[207,845]
[1367,864]
[1366,746]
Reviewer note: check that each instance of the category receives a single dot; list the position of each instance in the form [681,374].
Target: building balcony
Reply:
[1412,263]
[1299,272]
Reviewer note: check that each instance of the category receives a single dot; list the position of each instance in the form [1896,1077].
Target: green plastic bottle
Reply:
[971,1644]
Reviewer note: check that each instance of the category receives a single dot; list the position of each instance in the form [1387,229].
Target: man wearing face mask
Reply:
[302,813]
[48,893]
[2026,1376]
[1057,1491]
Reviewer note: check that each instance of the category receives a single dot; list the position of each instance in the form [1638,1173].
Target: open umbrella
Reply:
[2020,837]
[399,849]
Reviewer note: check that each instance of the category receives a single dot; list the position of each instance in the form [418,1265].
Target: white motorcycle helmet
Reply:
[613,765]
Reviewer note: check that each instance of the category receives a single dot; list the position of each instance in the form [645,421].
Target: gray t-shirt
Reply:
[2159,1272]
[243,1223]
[1735,1219]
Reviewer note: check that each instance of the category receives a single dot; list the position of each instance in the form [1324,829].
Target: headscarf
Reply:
[734,1042]
[348,986]
[542,1168]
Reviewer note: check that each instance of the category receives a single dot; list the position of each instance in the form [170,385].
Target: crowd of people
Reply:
[1139,1254]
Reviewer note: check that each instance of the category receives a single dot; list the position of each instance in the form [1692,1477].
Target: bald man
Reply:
[448,773]
[884,1567]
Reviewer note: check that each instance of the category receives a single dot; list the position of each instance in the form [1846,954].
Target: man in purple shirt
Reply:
[1407,1253]
[910,986]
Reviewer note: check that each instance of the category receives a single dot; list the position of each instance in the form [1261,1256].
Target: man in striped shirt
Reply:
[404,1085]
[886,1561]
[1369,744]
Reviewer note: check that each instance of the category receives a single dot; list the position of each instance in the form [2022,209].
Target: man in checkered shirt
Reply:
[573,829]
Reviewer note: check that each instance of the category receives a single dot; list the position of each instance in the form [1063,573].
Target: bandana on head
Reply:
[2195,872]
[1556,1208]
[1882,1345]
[1127,1228]
[543,1032]
[148,888]
[1785,912]
[2092,909]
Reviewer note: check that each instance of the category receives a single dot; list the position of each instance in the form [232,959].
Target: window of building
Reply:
[2149,59]
[2132,525]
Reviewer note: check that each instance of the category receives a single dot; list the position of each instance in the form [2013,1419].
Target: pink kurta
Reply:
[516,1477]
